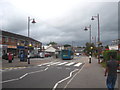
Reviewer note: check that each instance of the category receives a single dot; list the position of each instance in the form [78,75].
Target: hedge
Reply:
[108,53]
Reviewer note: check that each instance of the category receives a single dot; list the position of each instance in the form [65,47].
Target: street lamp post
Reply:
[86,28]
[33,21]
[98,18]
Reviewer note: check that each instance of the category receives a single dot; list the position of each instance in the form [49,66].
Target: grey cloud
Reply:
[68,28]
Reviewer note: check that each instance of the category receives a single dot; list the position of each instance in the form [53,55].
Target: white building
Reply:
[114,47]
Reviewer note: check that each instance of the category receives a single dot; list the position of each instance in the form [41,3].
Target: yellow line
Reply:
[12,67]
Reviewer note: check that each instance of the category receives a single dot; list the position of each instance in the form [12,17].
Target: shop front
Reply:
[12,49]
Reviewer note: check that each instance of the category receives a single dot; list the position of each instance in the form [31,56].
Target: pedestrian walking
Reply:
[111,73]
[28,58]
[21,56]
[25,57]
[10,57]
[90,58]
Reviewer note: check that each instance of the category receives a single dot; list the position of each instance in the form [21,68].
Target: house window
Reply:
[6,39]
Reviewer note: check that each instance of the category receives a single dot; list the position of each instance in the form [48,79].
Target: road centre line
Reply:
[23,76]
[55,86]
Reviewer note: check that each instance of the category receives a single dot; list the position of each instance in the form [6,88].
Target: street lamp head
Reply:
[85,29]
[33,21]
[92,18]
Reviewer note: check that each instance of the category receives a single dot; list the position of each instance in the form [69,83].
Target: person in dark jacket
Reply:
[10,57]
[111,73]
[21,56]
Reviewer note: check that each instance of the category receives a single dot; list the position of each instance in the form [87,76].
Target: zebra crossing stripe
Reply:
[77,65]
[55,63]
[62,63]
[70,64]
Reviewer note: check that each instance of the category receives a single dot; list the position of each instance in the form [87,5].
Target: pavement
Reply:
[90,76]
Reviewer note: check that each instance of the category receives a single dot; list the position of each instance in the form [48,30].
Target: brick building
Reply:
[11,42]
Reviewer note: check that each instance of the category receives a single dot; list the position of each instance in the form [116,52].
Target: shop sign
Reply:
[20,47]
[11,46]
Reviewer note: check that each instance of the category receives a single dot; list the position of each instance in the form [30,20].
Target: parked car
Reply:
[5,56]
[47,55]
[41,54]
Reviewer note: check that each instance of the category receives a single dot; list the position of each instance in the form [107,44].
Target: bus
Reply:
[67,54]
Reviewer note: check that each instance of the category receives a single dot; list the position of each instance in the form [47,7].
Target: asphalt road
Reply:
[53,74]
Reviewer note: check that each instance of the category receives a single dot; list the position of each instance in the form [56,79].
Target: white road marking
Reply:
[55,86]
[70,64]
[74,76]
[77,65]
[23,76]
[62,63]
[9,80]
[55,63]
[39,65]
[45,64]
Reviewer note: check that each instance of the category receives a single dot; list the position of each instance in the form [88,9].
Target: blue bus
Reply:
[67,54]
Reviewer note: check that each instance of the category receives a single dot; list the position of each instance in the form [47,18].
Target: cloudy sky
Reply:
[61,21]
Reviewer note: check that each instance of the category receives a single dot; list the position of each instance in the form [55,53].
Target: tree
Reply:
[52,43]
[67,45]
[90,47]
[106,47]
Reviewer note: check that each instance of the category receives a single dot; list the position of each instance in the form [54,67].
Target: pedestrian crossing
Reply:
[54,63]
[75,64]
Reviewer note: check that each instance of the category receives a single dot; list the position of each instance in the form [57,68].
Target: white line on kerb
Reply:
[64,79]
[23,76]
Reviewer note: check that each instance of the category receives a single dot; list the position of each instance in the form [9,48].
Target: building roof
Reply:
[10,34]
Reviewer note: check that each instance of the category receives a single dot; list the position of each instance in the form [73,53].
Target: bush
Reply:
[108,53]
[103,64]
[118,56]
